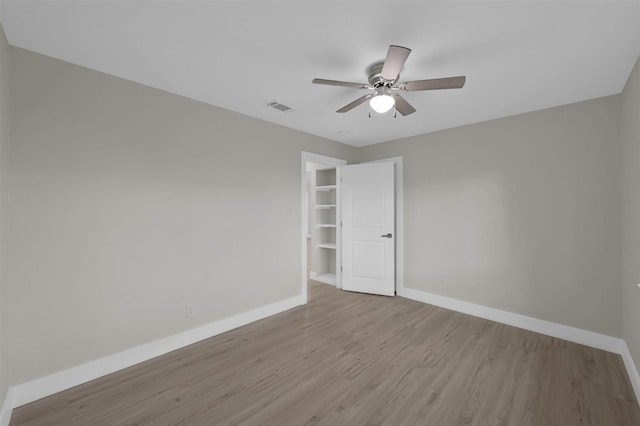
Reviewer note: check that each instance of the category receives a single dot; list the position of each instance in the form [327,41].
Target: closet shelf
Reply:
[324,206]
[326,225]
[327,245]
[325,187]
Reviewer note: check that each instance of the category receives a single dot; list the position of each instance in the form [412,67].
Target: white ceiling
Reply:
[518,56]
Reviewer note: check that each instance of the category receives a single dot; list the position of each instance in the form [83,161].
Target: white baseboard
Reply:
[565,332]
[632,371]
[42,387]
[572,334]
[7,407]
[48,385]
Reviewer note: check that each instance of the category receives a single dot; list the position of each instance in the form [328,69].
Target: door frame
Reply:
[304,158]
[317,158]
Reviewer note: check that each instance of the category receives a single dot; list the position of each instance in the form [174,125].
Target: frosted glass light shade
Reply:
[382,103]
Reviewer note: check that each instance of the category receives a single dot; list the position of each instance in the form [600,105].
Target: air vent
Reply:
[280,107]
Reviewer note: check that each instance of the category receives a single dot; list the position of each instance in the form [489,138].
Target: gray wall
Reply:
[630,135]
[526,209]
[4,174]
[128,202]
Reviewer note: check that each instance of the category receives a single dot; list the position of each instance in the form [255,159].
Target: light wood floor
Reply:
[352,359]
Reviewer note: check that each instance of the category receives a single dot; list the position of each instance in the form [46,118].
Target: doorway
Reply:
[326,161]
[310,163]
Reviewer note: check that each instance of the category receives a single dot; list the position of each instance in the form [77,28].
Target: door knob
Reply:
[386,235]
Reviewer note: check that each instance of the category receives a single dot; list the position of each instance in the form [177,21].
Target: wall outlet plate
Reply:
[188,309]
[473,288]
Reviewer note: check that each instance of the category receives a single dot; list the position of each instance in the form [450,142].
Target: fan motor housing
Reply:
[375,78]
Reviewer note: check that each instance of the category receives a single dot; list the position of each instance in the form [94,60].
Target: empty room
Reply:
[319,213]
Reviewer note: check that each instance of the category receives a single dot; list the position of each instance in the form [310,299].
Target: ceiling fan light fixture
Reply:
[382,102]
[383,78]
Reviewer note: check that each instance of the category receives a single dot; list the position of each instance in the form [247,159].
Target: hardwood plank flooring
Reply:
[355,359]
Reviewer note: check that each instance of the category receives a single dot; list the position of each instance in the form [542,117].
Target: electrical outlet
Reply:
[188,310]
[473,288]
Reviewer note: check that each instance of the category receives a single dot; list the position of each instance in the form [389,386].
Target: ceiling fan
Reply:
[383,77]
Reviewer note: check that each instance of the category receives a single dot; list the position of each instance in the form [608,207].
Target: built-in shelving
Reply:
[325,236]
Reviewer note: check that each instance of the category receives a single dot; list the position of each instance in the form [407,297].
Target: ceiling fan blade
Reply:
[355,103]
[434,84]
[402,106]
[339,83]
[396,57]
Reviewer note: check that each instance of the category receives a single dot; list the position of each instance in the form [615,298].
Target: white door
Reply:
[368,228]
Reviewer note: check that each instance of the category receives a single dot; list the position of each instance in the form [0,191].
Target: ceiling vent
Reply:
[280,107]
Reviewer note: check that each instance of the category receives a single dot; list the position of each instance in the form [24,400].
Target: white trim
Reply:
[42,387]
[7,408]
[314,158]
[48,385]
[399,220]
[572,334]
[338,282]
[560,331]
[632,371]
